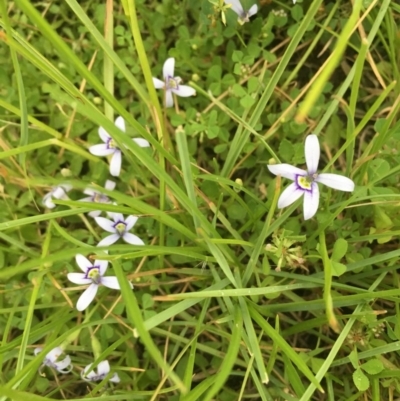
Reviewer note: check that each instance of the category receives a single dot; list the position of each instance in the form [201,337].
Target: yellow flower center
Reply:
[99,198]
[173,83]
[120,227]
[111,144]
[94,275]
[304,182]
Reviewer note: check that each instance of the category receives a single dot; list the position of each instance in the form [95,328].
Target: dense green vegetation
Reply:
[236,295]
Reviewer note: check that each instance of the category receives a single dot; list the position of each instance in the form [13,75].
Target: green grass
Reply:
[234,298]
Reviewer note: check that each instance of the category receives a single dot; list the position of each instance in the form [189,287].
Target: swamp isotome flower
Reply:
[103,369]
[305,182]
[62,366]
[93,274]
[98,197]
[109,147]
[119,228]
[243,16]
[58,192]
[172,84]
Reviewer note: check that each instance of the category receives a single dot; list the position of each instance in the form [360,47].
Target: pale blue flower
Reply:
[103,369]
[93,274]
[243,16]
[109,147]
[306,182]
[51,360]
[172,84]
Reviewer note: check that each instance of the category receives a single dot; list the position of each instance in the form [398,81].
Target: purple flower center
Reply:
[100,198]
[111,144]
[93,273]
[304,182]
[173,82]
[120,227]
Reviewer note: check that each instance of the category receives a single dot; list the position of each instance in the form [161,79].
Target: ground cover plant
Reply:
[199,200]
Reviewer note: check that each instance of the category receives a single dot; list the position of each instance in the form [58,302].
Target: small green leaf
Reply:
[338,268]
[247,101]
[286,150]
[237,55]
[373,366]
[339,249]
[360,380]
[354,358]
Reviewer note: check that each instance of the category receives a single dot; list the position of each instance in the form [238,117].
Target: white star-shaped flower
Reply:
[306,182]
[93,274]
[57,192]
[243,16]
[109,147]
[98,197]
[119,227]
[172,84]
[62,366]
[103,369]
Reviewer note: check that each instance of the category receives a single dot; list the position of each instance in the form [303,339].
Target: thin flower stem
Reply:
[330,314]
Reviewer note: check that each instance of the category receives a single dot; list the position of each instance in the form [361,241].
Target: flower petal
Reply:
[95,213]
[289,195]
[236,6]
[101,150]
[104,135]
[336,181]
[253,10]
[103,368]
[47,201]
[78,278]
[115,163]
[169,100]
[110,185]
[311,201]
[168,68]
[61,365]
[90,375]
[130,221]
[141,142]
[54,354]
[66,187]
[286,170]
[312,153]
[118,217]
[103,264]
[87,199]
[37,350]
[106,224]
[184,91]
[158,84]
[110,282]
[120,123]
[58,193]
[109,240]
[87,297]
[132,239]
[115,378]
[83,263]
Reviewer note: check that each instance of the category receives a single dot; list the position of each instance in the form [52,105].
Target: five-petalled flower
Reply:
[93,274]
[109,147]
[62,366]
[96,196]
[57,192]
[243,16]
[119,227]
[103,369]
[306,182]
[172,84]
